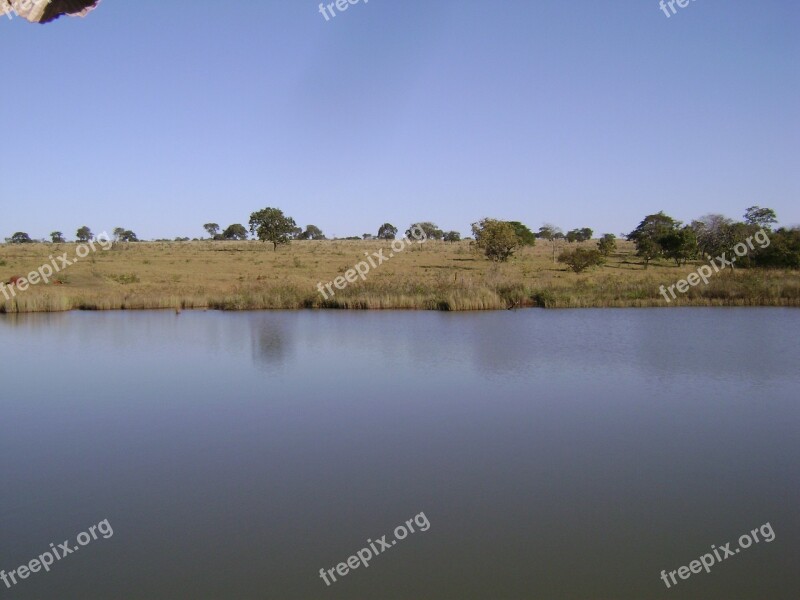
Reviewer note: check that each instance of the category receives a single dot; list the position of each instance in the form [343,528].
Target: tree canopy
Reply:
[496,238]
[237,231]
[432,232]
[524,234]
[271,225]
[84,234]
[312,232]
[387,231]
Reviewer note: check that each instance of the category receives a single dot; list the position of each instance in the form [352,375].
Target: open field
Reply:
[433,275]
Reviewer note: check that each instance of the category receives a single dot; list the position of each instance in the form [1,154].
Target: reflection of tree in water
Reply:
[271,344]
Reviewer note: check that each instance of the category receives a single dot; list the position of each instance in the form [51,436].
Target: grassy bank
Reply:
[430,276]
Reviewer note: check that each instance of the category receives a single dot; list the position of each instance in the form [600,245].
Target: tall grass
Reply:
[431,276]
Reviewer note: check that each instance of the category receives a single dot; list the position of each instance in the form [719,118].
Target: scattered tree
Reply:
[387,231]
[57,237]
[525,235]
[271,225]
[452,236]
[84,234]
[763,218]
[607,244]
[432,232]
[496,238]
[579,235]
[552,234]
[20,237]
[212,229]
[237,231]
[124,235]
[648,234]
[312,232]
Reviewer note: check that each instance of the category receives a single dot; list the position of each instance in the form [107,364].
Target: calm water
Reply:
[556,454]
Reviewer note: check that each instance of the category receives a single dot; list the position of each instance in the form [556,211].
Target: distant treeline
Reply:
[661,236]
[658,236]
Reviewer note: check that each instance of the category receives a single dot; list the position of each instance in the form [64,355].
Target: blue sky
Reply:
[578,112]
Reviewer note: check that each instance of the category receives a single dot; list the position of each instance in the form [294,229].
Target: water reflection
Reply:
[272,339]
[556,453]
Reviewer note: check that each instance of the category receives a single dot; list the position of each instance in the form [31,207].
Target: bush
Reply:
[581,259]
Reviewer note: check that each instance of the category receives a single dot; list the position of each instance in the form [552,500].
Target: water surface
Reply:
[556,454]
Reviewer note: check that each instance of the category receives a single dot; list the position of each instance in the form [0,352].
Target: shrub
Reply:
[581,259]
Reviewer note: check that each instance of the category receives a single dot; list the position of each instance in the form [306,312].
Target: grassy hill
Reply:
[433,275]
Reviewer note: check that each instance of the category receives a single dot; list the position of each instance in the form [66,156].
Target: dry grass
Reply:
[433,275]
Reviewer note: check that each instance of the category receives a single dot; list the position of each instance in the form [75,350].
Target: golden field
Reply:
[433,276]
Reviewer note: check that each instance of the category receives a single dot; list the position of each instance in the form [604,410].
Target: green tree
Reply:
[525,235]
[212,229]
[679,244]
[57,237]
[496,238]
[20,237]
[84,234]
[432,232]
[581,259]
[452,236]
[783,251]
[387,231]
[607,244]
[763,218]
[236,231]
[312,232]
[271,225]
[647,235]
[579,235]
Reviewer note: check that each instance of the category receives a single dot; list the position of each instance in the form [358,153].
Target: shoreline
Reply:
[167,304]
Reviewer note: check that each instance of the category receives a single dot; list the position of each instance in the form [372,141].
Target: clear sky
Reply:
[160,116]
